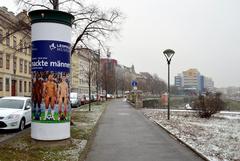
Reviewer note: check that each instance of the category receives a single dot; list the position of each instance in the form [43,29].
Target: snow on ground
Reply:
[217,138]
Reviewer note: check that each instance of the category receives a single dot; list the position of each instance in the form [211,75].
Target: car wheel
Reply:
[22,124]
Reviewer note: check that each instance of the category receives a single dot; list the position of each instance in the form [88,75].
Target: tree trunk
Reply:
[56,5]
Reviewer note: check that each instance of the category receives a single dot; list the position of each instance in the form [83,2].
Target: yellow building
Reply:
[80,70]
[191,79]
[15,54]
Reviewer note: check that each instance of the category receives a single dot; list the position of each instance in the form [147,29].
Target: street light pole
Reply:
[168,90]
[168,54]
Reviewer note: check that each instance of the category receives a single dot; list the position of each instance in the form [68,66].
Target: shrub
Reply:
[209,104]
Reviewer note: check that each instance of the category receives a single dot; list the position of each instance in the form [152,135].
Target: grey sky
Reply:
[203,33]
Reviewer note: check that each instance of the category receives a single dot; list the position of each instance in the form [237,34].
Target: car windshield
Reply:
[73,95]
[11,103]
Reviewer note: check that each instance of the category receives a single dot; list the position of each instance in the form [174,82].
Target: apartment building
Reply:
[85,63]
[15,54]
[192,80]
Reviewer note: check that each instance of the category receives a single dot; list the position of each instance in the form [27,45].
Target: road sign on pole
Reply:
[134,83]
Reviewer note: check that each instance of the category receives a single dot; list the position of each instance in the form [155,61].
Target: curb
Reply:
[132,104]
[16,135]
[175,137]
[181,141]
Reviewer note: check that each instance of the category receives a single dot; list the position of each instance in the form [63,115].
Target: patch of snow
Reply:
[217,138]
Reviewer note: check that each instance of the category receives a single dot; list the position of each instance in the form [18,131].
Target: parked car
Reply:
[83,99]
[93,97]
[86,99]
[75,99]
[110,96]
[15,112]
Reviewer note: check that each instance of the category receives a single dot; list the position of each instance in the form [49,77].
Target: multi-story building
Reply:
[15,54]
[125,75]
[208,84]
[108,70]
[191,79]
[178,80]
[85,67]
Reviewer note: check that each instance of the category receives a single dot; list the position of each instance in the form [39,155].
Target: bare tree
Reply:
[91,26]
[209,104]
[90,71]
[120,80]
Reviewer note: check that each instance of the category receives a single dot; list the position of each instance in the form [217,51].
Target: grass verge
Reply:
[24,148]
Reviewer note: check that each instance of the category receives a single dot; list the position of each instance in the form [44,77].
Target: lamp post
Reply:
[168,54]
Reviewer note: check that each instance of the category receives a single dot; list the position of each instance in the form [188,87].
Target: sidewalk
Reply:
[124,134]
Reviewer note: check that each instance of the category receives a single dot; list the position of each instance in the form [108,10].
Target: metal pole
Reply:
[105,80]
[168,90]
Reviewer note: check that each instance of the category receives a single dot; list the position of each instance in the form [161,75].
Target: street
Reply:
[124,134]
[8,134]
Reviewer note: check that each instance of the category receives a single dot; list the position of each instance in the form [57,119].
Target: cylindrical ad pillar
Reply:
[51,45]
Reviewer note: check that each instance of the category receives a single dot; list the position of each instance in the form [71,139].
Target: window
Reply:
[14,42]
[21,46]
[1,84]
[29,50]
[7,39]
[14,64]
[25,48]
[29,68]
[7,84]
[21,65]
[20,86]
[29,86]
[8,61]
[1,59]
[1,35]
[28,103]
[25,66]
[25,86]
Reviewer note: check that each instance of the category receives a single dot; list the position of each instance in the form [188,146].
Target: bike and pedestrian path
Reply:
[124,134]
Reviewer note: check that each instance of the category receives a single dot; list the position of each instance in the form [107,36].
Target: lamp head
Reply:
[168,53]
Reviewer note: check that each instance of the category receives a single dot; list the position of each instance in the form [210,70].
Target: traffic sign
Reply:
[134,83]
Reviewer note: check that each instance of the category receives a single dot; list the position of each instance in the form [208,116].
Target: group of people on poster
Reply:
[51,89]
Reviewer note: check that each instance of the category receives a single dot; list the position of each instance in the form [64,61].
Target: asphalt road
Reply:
[8,134]
[124,134]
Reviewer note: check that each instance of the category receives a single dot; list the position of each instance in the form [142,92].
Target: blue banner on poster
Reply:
[51,56]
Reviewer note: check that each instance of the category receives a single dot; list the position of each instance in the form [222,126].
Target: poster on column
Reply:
[50,81]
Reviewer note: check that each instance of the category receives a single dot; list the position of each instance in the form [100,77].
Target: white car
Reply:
[15,112]
[75,99]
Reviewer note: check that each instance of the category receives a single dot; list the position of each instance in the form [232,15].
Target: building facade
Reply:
[108,70]
[15,54]
[85,67]
[178,81]
[192,81]
[208,84]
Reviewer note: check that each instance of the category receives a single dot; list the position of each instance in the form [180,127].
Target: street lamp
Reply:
[168,54]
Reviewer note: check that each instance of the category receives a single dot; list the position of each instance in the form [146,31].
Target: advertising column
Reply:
[51,38]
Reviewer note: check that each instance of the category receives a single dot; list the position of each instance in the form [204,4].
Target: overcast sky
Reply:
[205,34]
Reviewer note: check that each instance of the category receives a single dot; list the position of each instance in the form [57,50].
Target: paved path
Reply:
[124,134]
